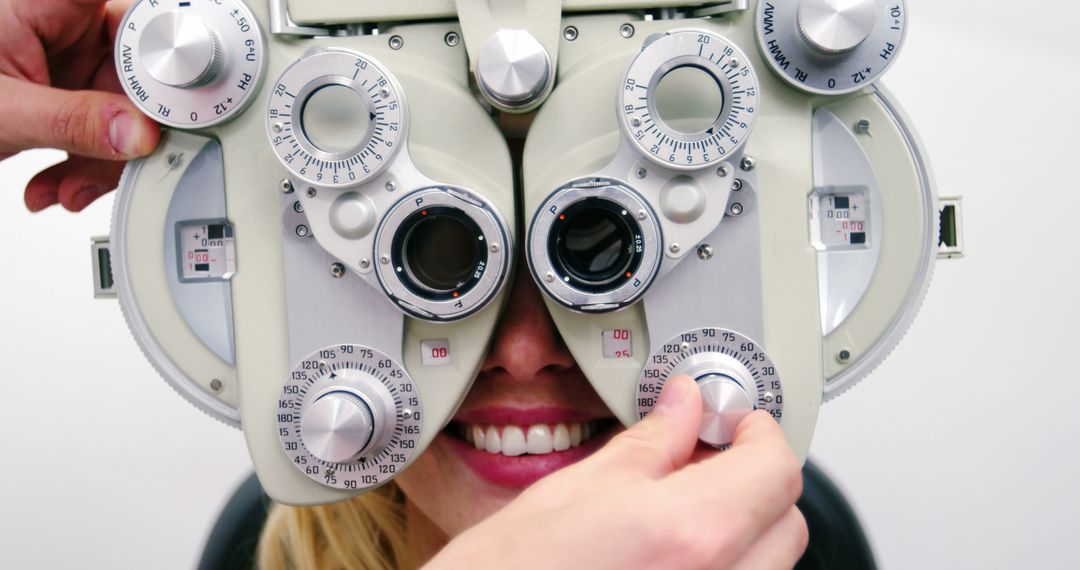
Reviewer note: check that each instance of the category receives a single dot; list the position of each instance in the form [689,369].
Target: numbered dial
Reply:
[349,417]
[189,64]
[336,118]
[689,99]
[831,47]
[734,374]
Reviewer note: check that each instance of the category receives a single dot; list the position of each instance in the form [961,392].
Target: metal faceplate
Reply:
[190,64]
[185,328]
[731,75]
[313,107]
[786,30]
[374,379]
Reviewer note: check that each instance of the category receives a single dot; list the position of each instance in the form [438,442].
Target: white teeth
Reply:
[537,439]
[513,441]
[575,435]
[477,436]
[561,438]
[492,442]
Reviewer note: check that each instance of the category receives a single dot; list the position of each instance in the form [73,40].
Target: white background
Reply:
[959,452]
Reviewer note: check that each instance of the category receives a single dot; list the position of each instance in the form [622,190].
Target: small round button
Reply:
[336,119]
[512,69]
[724,403]
[179,50]
[337,427]
[836,26]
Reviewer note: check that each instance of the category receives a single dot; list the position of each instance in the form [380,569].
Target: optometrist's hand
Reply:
[58,89]
[647,500]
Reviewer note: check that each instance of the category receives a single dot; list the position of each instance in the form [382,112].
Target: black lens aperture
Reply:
[439,253]
[595,245]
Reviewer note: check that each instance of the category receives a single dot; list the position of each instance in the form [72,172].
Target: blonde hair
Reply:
[363,533]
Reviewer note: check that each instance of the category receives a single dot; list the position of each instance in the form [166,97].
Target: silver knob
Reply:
[337,427]
[512,69]
[180,50]
[724,403]
[836,26]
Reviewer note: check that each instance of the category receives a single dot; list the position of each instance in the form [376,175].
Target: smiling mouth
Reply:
[536,439]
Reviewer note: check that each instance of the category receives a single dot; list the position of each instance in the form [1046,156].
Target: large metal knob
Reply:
[338,427]
[513,70]
[836,26]
[180,50]
[724,403]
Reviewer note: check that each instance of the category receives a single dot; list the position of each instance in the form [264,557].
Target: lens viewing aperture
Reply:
[595,245]
[439,253]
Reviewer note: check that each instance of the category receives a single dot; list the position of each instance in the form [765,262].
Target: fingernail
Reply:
[674,392]
[43,201]
[126,135]
[84,197]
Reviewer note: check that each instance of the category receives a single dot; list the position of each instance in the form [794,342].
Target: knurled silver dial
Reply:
[349,417]
[831,47]
[689,99]
[189,64]
[734,373]
[336,118]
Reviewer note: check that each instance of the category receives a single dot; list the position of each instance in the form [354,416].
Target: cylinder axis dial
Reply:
[689,99]
[349,417]
[831,47]
[336,118]
[734,374]
[189,64]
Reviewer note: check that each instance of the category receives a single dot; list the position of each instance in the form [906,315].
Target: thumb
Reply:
[665,439]
[88,123]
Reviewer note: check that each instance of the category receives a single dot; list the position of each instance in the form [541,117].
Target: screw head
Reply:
[863,126]
[626,31]
[302,231]
[406,413]
[365,263]
[174,159]
[734,62]
[452,39]
[278,127]
[684,347]
[736,209]
[635,122]
[311,192]
[705,252]
[769,397]
[641,173]
[390,186]
[747,163]
[396,42]
[674,248]
[723,171]
[384,259]
[641,215]
[844,355]
[286,186]
[737,185]
[216,385]
[570,33]
[298,207]
[337,269]
[494,248]
[549,277]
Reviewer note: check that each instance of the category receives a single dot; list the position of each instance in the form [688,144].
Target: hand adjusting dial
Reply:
[734,374]
[349,417]
[836,26]
[189,64]
[179,50]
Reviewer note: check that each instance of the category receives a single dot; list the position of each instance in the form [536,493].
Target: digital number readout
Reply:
[206,251]
[842,221]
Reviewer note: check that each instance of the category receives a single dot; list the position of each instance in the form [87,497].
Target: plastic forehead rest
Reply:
[338,234]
